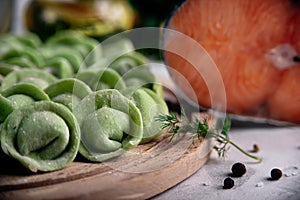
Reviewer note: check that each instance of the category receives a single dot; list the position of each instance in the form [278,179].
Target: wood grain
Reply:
[140,173]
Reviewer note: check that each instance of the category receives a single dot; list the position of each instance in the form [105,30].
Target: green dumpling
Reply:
[110,124]
[102,79]
[59,67]
[150,105]
[43,136]
[35,76]
[68,91]
[89,48]
[19,95]
[70,54]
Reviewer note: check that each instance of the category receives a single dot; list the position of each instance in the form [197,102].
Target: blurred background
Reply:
[96,18]
[6,11]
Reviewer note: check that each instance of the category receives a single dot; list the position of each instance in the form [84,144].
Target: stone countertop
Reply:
[279,147]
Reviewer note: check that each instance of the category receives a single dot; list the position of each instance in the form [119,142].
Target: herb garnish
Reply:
[201,130]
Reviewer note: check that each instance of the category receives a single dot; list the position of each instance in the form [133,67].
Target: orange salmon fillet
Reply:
[238,35]
[284,104]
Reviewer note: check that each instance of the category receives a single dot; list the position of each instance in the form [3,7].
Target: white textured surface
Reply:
[279,147]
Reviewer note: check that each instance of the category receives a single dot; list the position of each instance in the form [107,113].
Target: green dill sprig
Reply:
[201,130]
[170,122]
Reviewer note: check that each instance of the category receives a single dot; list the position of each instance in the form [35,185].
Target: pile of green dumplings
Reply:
[72,95]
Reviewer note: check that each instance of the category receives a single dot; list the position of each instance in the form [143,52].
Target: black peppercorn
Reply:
[238,169]
[276,174]
[255,148]
[228,183]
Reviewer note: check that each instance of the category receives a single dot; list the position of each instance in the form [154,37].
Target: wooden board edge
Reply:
[117,184]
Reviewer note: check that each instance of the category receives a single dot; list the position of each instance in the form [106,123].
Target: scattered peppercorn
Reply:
[228,183]
[255,148]
[276,174]
[238,169]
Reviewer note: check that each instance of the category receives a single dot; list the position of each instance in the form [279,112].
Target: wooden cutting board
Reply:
[140,173]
